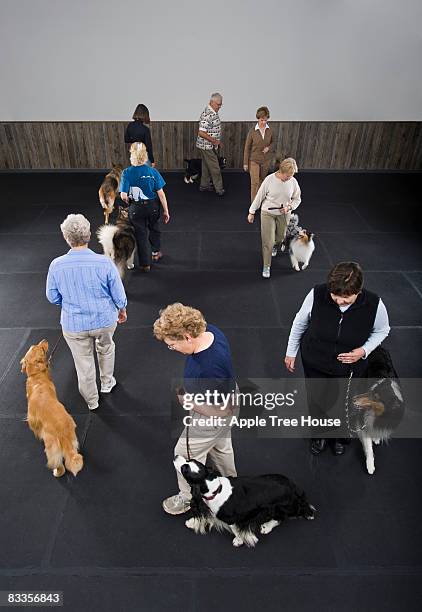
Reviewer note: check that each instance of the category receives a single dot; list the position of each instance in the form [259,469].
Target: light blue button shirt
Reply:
[88,288]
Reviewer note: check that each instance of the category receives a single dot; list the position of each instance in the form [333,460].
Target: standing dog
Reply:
[243,506]
[47,417]
[299,242]
[193,168]
[108,190]
[118,241]
[378,411]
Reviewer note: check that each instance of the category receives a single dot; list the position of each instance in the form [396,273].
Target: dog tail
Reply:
[72,459]
[105,235]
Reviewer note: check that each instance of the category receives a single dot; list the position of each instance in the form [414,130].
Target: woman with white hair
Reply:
[142,186]
[278,195]
[88,288]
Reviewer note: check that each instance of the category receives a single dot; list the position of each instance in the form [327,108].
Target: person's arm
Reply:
[247,151]
[117,291]
[128,139]
[148,144]
[163,200]
[52,292]
[299,326]
[379,332]
[295,200]
[124,186]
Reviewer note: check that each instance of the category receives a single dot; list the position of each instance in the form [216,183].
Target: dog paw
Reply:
[190,523]
[370,466]
[376,441]
[237,542]
[305,265]
[58,472]
[296,268]
[131,266]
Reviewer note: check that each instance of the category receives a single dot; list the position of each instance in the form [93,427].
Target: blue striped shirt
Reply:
[88,288]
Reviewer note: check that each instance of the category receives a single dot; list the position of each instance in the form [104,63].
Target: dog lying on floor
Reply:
[299,242]
[244,506]
[193,168]
[118,241]
[109,189]
[47,417]
[378,411]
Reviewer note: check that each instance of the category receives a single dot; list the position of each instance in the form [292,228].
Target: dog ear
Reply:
[44,345]
[23,365]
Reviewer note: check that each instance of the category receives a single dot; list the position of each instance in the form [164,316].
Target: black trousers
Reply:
[326,396]
[145,217]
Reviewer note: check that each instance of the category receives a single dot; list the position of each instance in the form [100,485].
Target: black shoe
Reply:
[317,445]
[338,447]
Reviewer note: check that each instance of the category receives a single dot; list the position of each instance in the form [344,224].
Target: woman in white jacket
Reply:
[278,195]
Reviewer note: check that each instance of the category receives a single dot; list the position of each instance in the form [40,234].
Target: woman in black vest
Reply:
[337,327]
[138,130]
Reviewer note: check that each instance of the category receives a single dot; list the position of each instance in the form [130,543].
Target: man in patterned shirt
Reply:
[208,141]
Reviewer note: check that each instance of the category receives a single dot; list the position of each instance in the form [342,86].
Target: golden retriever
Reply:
[47,417]
[108,190]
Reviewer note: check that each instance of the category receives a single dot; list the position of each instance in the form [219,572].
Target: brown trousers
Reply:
[211,172]
[257,173]
[273,231]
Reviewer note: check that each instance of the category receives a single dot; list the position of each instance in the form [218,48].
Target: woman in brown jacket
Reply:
[258,149]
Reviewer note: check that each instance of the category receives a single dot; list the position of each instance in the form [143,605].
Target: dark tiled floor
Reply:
[102,538]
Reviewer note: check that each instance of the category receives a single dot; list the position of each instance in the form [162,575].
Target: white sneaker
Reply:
[109,387]
[176,504]
[274,251]
[93,406]
[266,273]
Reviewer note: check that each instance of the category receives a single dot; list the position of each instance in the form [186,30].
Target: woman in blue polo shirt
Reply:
[142,186]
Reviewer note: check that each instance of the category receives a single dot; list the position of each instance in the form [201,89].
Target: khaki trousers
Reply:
[273,231]
[215,442]
[211,172]
[257,173]
[82,345]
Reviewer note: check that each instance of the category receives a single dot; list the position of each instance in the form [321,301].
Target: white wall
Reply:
[306,59]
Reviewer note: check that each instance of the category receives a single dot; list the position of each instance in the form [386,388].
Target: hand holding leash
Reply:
[351,357]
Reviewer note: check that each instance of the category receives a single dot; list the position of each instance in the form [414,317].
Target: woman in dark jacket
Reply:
[138,130]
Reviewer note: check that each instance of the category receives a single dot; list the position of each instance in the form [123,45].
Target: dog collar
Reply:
[211,497]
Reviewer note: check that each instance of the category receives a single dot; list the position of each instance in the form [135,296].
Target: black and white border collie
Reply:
[244,506]
[193,168]
[379,411]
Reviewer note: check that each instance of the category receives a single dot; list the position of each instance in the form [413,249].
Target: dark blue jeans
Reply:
[145,217]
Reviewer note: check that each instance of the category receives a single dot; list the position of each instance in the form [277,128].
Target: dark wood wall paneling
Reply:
[315,145]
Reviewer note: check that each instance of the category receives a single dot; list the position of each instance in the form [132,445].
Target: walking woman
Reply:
[258,150]
[278,195]
[138,131]
[142,187]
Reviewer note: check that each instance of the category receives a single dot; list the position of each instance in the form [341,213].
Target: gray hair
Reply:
[216,96]
[76,230]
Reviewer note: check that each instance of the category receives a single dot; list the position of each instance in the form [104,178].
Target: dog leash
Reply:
[187,443]
[54,348]
[350,430]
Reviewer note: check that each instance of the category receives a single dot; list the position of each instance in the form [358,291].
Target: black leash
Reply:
[54,348]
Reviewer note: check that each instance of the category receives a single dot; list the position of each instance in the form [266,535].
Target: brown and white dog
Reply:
[118,241]
[47,417]
[109,189]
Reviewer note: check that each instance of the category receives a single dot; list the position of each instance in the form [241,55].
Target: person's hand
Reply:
[166,216]
[122,316]
[351,357]
[124,197]
[217,143]
[265,149]
[251,218]
[245,168]
[152,164]
[289,362]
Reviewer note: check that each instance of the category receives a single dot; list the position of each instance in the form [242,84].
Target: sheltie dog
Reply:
[244,506]
[47,417]
[108,190]
[299,242]
[378,411]
[118,241]
[193,168]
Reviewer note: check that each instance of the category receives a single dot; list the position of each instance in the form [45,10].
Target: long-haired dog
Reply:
[193,168]
[379,411]
[300,243]
[47,417]
[109,189]
[244,506]
[118,241]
